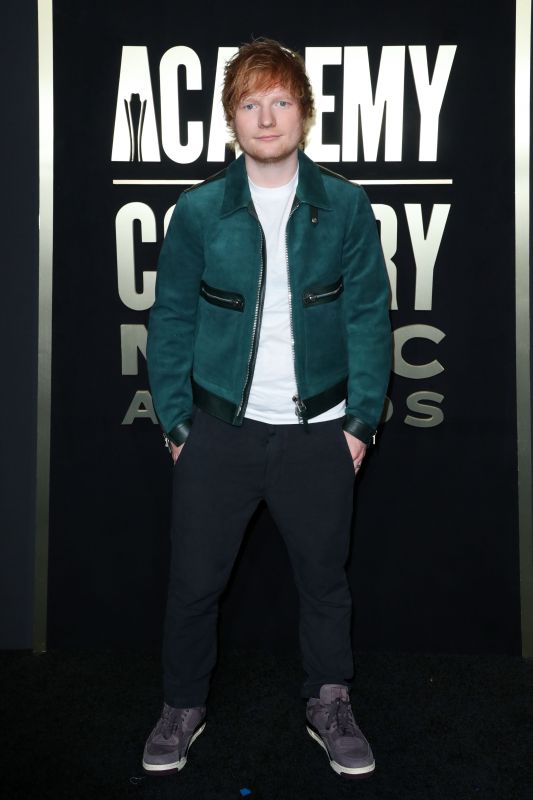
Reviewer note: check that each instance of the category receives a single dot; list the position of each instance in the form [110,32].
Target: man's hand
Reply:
[175,450]
[357,450]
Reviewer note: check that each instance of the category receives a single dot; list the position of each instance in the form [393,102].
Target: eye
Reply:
[283,103]
[248,106]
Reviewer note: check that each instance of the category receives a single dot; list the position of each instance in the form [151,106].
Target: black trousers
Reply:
[305,475]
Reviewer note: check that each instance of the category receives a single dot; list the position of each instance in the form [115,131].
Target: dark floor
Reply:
[442,728]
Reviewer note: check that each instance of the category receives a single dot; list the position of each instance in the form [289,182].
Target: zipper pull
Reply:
[300,409]
[374,438]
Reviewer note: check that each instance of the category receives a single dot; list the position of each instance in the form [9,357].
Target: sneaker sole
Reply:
[355,772]
[174,766]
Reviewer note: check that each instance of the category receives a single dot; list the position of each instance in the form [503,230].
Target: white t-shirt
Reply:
[274,382]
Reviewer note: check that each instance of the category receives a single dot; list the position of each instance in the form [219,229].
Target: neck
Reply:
[270,174]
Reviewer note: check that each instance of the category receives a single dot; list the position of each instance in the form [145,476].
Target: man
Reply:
[271,322]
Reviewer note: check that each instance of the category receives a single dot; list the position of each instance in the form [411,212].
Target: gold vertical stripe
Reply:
[523,363]
[46,219]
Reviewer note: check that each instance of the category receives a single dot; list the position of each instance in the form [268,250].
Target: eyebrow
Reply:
[249,98]
[281,94]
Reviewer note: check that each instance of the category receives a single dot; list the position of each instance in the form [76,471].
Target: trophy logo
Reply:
[135,135]
[135,111]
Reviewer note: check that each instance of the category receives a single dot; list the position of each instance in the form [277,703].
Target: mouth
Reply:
[269,138]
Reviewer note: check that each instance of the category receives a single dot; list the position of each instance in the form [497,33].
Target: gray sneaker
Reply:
[167,746]
[330,722]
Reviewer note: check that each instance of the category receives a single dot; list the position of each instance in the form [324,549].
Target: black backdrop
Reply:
[19,234]
[434,565]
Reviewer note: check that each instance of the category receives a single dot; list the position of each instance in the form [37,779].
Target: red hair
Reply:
[261,65]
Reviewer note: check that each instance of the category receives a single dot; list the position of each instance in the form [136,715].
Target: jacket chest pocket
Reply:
[219,297]
[315,295]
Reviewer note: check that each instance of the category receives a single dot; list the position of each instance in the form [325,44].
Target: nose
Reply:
[266,118]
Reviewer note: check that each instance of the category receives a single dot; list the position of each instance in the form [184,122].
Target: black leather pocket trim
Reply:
[219,297]
[315,295]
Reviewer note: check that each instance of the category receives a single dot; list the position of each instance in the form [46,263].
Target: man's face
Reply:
[268,125]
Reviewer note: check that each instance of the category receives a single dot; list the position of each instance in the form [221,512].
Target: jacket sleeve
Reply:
[172,321]
[366,310]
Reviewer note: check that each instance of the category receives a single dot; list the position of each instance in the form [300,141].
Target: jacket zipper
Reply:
[257,315]
[312,298]
[298,402]
[232,301]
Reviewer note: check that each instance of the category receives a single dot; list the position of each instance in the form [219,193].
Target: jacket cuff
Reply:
[179,433]
[359,429]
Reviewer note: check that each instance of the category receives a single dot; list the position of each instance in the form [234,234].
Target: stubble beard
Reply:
[261,159]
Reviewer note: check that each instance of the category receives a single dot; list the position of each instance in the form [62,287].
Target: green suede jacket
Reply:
[204,325]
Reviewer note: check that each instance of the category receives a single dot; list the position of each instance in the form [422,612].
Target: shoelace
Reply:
[170,721]
[340,717]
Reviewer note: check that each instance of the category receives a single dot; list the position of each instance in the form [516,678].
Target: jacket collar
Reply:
[310,187]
